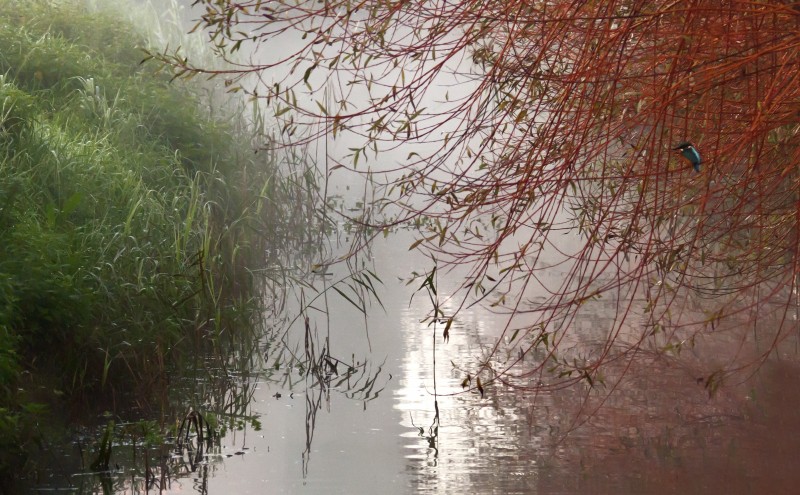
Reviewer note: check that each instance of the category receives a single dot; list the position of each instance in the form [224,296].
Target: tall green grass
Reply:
[132,217]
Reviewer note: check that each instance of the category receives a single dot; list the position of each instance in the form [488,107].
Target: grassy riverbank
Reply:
[130,219]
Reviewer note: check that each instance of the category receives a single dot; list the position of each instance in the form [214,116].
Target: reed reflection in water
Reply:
[656,430]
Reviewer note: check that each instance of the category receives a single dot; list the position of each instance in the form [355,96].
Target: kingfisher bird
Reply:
[689,152]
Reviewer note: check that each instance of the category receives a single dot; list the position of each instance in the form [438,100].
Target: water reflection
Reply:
[317,408]
[654,426]
[339,414]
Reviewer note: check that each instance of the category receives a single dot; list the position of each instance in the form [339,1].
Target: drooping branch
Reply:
[550,116]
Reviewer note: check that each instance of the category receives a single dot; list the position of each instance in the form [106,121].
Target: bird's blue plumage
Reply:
[689,152]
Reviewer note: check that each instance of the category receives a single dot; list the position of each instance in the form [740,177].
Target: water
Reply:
[653,427]
[658,431]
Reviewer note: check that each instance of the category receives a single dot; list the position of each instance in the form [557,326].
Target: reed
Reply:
[134,215]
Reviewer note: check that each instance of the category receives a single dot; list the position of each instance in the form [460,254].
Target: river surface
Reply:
[366,420]
[658,430]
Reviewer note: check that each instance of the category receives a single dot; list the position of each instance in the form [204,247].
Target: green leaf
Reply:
[308,73]
[72,203]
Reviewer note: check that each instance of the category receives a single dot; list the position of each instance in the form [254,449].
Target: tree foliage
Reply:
[545,116]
